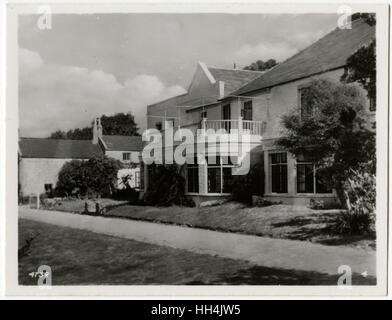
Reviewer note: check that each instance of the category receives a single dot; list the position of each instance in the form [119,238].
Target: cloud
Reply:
[53,97]
[279,51]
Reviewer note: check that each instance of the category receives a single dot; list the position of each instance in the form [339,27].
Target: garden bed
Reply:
[276,221]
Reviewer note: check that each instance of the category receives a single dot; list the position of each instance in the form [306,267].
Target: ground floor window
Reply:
[138,181]
[219,175]
[308,181]
[278,166]
[193,177]
[48,189]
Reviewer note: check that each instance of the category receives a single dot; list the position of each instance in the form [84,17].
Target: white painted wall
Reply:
[118,155]
[35,173]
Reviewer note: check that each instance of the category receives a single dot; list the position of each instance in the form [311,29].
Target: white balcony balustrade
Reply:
[241,126]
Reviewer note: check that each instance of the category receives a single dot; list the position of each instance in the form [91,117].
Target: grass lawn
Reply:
[79,257]
[277,221]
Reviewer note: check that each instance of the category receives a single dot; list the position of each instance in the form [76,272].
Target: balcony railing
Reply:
[242,126]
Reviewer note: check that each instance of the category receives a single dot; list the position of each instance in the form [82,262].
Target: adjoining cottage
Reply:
[253,103]
[41,159]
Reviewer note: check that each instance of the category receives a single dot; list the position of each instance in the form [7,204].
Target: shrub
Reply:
[94,177]
[261,202]
[244,186]
[167,187]
[361,195]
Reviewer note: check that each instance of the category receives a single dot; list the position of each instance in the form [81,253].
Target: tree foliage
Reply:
[334,135]
[119,124]
[98,176]
[167,186]
[361,65]
[261,65]
[244,186]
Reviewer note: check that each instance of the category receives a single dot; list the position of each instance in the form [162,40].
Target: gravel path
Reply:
[262,251]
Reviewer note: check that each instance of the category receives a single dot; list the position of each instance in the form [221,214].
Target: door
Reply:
[226,116]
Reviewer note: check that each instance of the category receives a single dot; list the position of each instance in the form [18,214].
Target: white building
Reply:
[41,159]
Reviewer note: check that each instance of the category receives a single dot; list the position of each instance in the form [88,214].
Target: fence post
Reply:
[240,125]
[203,123]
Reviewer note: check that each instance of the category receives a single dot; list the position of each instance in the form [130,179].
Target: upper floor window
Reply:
[126,156]
[247,110]
[203,114]
[305,102]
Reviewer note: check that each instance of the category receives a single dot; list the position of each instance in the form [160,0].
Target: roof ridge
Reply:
[283,64]
[237,70]
[54,139]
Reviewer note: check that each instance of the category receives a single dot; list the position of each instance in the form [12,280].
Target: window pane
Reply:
[227,178]
[280,157]
[305,182]
[247,115]
[320,186]
[214,180]
[193,178]
[279,178]
[305,102]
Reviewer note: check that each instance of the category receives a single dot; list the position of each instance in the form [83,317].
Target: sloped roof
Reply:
[328,53]
[123,143]
[233,78]
[57,148]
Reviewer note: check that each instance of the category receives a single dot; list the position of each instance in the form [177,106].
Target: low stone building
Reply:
[41,159]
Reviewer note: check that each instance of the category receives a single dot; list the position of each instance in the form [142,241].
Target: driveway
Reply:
[262,251]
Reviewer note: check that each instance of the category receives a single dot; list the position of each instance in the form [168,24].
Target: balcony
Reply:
[241,126]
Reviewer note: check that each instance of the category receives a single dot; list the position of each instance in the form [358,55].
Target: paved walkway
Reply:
[267,252]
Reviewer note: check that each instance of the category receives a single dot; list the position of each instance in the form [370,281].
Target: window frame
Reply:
[221,166]
[300,89]
[314,171]
[193,166]
[270,164]
[125,155]
[244,104]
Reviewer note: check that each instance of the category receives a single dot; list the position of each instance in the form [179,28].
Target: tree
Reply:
[334,135]
[58,135]
[361,65]
[260,65]
[168,186]
[119,124]
[97,175]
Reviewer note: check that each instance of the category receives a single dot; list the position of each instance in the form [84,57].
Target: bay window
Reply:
[278,166]
[308,181]
[219,175]
[193,176]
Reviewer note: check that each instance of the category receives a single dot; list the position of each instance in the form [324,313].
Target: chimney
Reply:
[97,130]
[221,89]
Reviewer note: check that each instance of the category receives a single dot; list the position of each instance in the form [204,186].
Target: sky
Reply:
[87,65]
